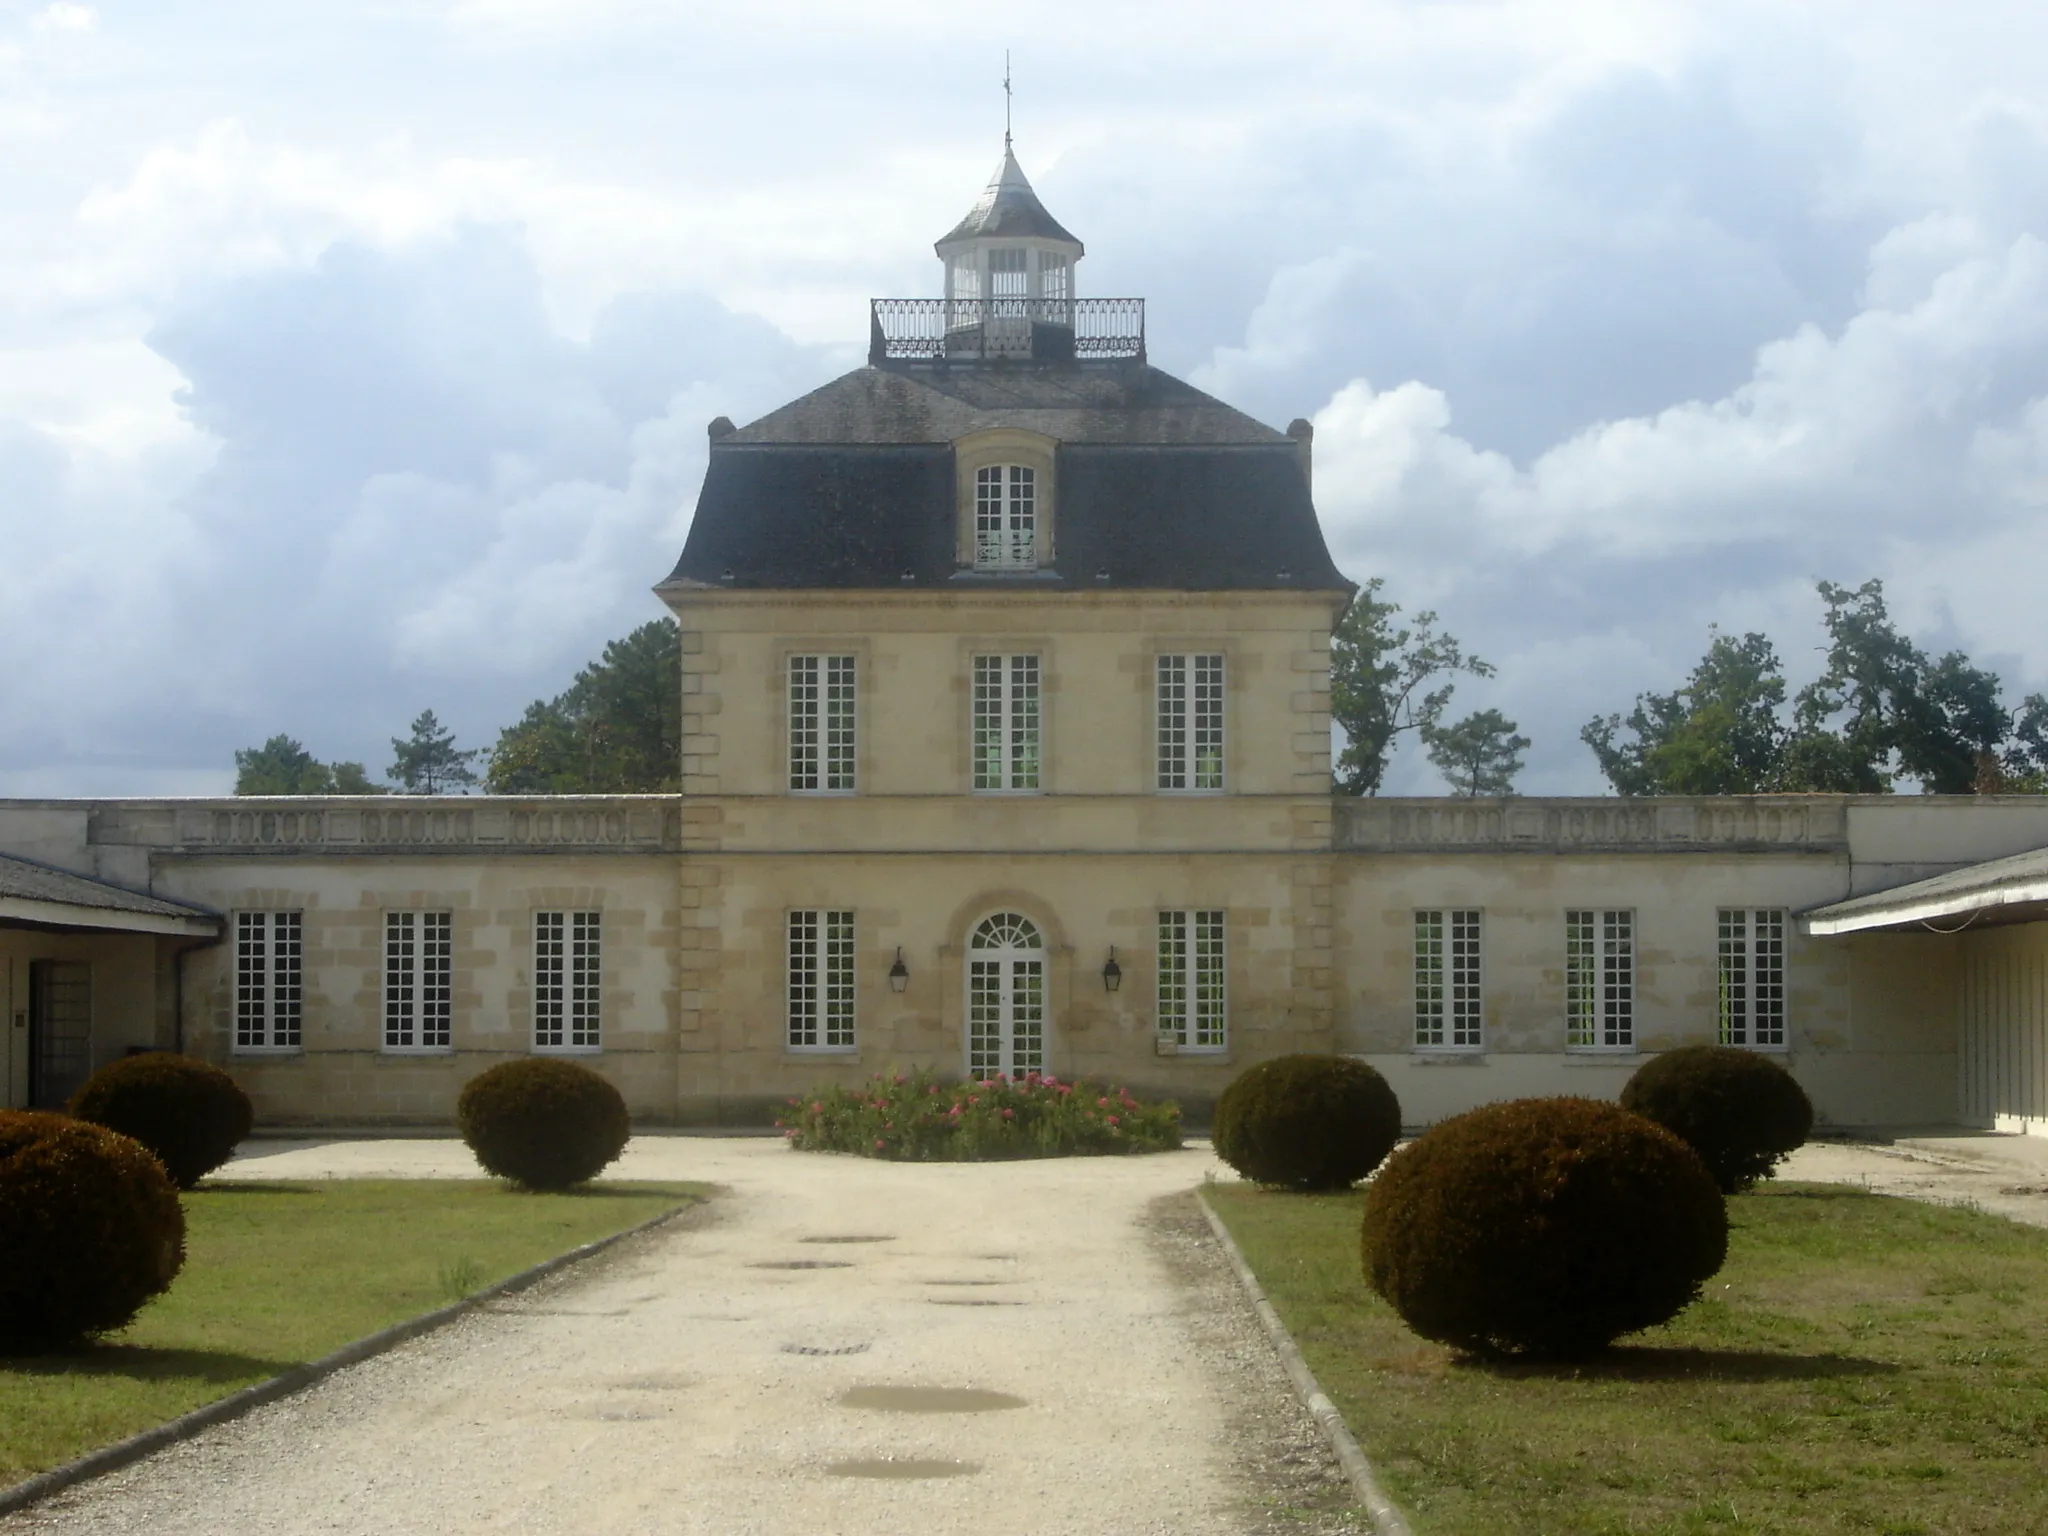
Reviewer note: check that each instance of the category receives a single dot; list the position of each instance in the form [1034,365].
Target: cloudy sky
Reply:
[355,359]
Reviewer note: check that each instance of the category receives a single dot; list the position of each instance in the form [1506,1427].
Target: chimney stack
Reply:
[1304,436]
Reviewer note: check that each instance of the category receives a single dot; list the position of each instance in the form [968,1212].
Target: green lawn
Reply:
[279,1274]
[1862,1364]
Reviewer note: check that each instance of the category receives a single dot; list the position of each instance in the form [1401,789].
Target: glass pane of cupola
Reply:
[1006,270]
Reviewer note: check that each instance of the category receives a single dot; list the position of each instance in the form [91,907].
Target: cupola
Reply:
[1009,248]
[1007,292]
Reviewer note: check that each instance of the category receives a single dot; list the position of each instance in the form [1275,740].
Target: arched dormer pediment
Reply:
[1006,500]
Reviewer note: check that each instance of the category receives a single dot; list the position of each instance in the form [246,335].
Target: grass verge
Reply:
[279,1274]
[1862,1364]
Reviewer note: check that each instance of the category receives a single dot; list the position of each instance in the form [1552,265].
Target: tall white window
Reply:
[1192,1011]
[1447,997]
[566,956]
[1005,722]
[1752,952]
[1189,709]
[419,951]
[1006,517]
[821,738]
[1600,980]
[820,981]
[269,980]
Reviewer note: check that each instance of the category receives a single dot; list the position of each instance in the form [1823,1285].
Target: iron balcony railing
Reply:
[1049,330]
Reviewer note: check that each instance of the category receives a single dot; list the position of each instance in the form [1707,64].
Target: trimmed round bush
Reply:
[1743,1113]
[90,1229]
[189,1113]
[542,1124]
[1306,1122]
[1543,1227]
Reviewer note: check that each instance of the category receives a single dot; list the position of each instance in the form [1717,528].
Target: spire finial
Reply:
[1006,101]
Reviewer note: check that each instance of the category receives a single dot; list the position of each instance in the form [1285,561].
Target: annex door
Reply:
[59,1030]
[1005,998]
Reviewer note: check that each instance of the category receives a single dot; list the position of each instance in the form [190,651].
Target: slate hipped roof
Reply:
[1156,485]
[37,892]
[1008,208]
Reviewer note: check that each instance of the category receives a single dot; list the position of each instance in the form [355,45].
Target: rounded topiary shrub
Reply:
[542,1124]
[1743,1113]
[90,1229]
[189,1113]
[1306,1122]
[1542,1226]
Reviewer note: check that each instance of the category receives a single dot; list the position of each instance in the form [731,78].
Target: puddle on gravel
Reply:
[929,1399]
[892,1467]
[824,1349]
[967,1282]
[616,1413]
[851,1237]
[802,1264]
[653,1381]
[972,1301]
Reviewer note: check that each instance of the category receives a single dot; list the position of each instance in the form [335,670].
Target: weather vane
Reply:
[1006,100]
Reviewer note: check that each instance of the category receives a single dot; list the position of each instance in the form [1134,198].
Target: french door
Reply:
[1005,998]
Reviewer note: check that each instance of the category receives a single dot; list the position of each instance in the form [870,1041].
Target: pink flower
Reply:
[879,1143]
[1102,1103]
[1009,1114]
[817,1108]
[1112,1119]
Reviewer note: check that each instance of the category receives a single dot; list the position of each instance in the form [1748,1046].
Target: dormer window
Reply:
[1005,517]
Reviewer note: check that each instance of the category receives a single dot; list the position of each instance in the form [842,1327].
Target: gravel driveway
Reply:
[834,1346]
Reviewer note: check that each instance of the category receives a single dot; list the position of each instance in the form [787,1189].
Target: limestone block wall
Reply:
[738,1065]
[344,1073]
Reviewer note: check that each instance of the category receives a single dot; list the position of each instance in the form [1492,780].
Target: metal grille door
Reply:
[60,1030]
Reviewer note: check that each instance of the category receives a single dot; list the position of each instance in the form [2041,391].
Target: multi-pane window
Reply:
[566,955]
[1006,516]
[1191,996]
[1189,708]
[821,741]
[820,981]
[419,952]
[269,980]
[1600,979]
[1447,997]
[1752,953]
[1006,722]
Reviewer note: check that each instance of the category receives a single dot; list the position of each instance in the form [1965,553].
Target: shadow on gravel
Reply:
[1645,1363]
[208,1187]
[142,1362]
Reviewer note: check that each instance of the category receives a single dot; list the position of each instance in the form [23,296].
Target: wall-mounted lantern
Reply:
[1112,973]
[899,973]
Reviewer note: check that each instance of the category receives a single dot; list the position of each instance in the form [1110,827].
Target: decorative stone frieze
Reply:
[387,824]
[1666,824]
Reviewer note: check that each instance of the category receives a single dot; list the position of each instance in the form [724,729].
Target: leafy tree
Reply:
[1883,710]
[1718,735]
[430,763]
[1380,683]
[1907,715]
[281,766]
[1480,755]
[617,729]
[354,779]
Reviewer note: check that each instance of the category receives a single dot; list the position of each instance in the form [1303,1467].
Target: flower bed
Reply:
[919,1119]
